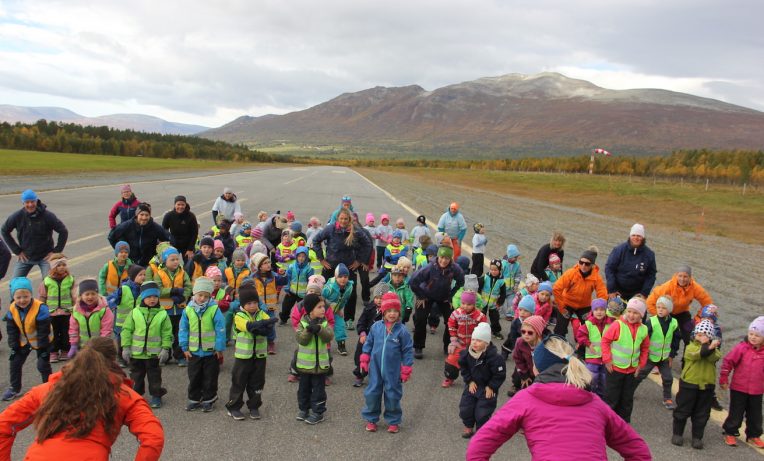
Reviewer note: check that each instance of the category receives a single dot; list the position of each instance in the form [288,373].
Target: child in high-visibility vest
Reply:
[251,325]
[174,290]
[285,251]
[91,317]
[202,340]
[203,259]
[234,276]
[388,355]
[28,326]
[297,275]
[461,323]
[664,334]
[114,272]
[697,384]
[146,339]
[314,334]
[123,301]
[400,287]
[244,235]
[337,292]
[267,284]
[494,292]
[625,347]
[511,273]
[589,337]
[57,292]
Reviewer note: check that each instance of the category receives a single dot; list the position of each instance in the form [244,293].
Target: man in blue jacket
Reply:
[630,270]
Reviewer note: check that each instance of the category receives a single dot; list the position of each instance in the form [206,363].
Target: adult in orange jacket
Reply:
[573,291]
[683,289]
[79,412]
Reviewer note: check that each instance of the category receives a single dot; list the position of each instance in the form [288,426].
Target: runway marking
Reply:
[301,177]
[339,171]
[84,239]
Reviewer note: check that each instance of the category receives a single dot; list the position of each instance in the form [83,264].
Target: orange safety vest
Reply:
[113,278]
[237,282]
[29,325]
[267,293]
[167,303]
[197,271]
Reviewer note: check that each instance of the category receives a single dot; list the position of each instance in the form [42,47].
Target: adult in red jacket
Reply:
[559,403]
[125,208]
[79,412]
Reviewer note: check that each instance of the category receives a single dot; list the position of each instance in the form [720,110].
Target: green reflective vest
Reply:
[248,344]
[594,350]
[315,355]
[147,332]
[625,351]
[491,291]
[59,293]
[89,325]
[201,331]
[660,345]
[126,305]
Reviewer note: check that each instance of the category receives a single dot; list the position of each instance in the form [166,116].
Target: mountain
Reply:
[137,122]
[515,114]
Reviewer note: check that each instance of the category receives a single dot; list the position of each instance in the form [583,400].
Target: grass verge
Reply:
[721,211]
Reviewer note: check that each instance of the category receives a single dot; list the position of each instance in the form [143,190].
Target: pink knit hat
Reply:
[218,244]
[290,215]
[212,272]
[383,217]
[370,218]
[468,297]
[390,301]
[536,322]
[125,188]
[554,259]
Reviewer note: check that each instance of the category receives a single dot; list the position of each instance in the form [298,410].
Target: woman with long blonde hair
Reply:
[559,402]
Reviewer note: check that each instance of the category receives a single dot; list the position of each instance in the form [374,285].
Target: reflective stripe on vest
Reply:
[113,277]
[201,331]
[27,328]
[660,345]
[59,293]
[315,263]
[299,283]
[594,351]
[314,355]
[395,253]
[177,282]
[286,251]
[491,292]
[267,292]
[147,334]
[243,240]
[626,350]
[89,325]
[236,280]
[125,306]
[248,344]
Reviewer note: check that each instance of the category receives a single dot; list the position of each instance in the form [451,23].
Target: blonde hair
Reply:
[576,373]
[350,239]
[559,237]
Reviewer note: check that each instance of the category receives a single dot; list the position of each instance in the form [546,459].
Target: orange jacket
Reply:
[132,411]
[574,291]
[682,297]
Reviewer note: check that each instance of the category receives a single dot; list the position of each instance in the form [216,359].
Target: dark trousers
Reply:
[742,404]
[177,353]
[477,264]
[363,276]
[619,393]
[380,256]
[311,394]
[667,378]
[494,319]
[17,359]
[694,404]
[562,323]
[142,368]
[350,307]
[59,324]
[420,322]
[247,375]
[357,360]
[203,379]
[686,325]
[475,409]
[286,306]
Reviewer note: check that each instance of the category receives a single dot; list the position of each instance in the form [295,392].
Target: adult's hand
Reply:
[326,264]
[609,367]
[22,257]
[354,266]
[189,254]
[47,256]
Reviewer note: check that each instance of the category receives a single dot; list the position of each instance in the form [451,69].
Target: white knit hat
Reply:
[638,229]
[482,332]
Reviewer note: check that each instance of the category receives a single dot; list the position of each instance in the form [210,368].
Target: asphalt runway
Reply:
[431,427]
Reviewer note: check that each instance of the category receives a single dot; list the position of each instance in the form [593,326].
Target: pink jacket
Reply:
[748,366]
[298,312]
[546,412]
[107,321]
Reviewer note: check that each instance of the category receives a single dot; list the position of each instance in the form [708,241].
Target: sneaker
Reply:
[755,441]
[292,378]
[327,381]
[669,404]
[498,336]
[9,394]
[235,414]
[433,330]
[697,444]
[358,382]
[155,402]
[715,405]
[254,413]
[341,348]
[467,433]
[447,383]
[349,325]
[271,348]
[62,357]
[371,427]
[301,415]
[677,440]
[418,354]
[122,363]
[655,371]
[282,323]
[314,418]
[54,357]
[730,440]
[393,429]
[193,406]
[511,393]
[207,407]
[182,363]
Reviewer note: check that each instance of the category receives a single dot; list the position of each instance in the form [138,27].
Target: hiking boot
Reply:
[755,441]
[655,371]
[292,378]
[155,402]
[349,325]
[54,357]
[9,394]
[182,362]
[341,348]
[447,383]
[254,413]
[498,336]
[677,440]
[301,415]
[237,415]
[193,406]
[371,427]
[358,382]
[467,433]
[314,418]
[271,348]
[697,444]
[282,323]
[62,357]
[418,354]
[393,429]
[207,407]
[669,404]
[715,405]
[730,440]
[122,363]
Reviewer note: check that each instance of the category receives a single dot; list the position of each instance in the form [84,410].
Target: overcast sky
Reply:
[208,62]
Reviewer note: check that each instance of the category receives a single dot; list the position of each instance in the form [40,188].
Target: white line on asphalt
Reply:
[84,239]
[301,177]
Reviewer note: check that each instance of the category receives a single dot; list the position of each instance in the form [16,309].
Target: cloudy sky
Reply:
[208,62]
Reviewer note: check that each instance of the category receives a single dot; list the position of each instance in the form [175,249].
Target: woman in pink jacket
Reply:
[557,403]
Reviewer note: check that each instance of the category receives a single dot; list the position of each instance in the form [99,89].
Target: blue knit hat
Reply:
[512,251]
[397,234]
[544,359]
[20,283]
[167,253]
[28,195]
[118,247]
[296,227]
[528,304]
[545,286]
[150,288]
[341,270]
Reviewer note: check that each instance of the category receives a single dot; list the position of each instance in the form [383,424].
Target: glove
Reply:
[364,362]
[164,356]
[126,355]
[72,351]
[405,373]
[452,347]
[314,328]
[178,299]
[176,292]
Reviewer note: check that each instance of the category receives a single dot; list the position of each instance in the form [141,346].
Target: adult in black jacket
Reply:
[142,233]
[183,227]
[630,269]
[34,226]
[5,259]
[541,261]
[271,230]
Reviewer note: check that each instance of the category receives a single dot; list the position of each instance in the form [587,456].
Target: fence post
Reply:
[744,185]
[706,184]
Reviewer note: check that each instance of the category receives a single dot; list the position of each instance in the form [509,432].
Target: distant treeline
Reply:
[734,166]
[101,140]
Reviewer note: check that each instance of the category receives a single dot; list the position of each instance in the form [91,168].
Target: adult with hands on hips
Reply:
[34,226]
[558,402]
[5,259]
[453,225]
[630,269]
[142,233]
[125,208]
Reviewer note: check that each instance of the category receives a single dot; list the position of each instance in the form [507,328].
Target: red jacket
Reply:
[132,411]
[582,335]
[522,354]
[126,211]
[748,365]
[461,324]
[611,335]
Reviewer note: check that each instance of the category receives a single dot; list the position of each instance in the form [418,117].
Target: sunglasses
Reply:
[527,332]
[585,263]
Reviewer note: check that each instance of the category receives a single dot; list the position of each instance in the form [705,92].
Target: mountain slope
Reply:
[544,114]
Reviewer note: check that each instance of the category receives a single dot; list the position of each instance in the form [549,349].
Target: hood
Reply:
[512,251]
[560,394]
[131,200]
[102,304]
[233,198]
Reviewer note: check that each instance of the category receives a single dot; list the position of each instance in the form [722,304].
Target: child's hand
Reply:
[489,393]
[526,382]
[714,344]
[473,387]
[724,386]
[609,367]
[362,339]
[636,372]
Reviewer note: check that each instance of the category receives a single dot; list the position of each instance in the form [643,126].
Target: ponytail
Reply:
[576,373]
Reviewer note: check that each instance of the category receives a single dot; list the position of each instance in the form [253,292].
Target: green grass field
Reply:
[20,162]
